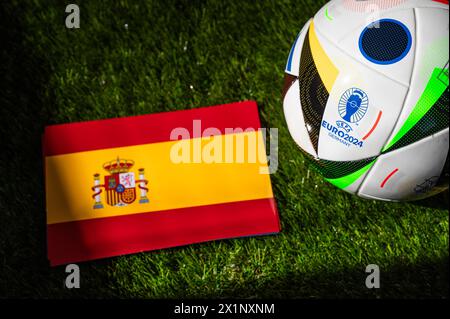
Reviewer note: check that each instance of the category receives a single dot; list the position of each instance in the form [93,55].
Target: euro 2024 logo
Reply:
[352,107]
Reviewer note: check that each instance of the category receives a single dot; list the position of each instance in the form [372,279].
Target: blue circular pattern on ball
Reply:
[385,41]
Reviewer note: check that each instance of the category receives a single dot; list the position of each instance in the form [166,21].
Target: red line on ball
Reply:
[374,125]
[388,177]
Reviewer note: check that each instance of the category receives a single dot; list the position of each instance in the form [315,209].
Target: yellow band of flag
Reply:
[171,185]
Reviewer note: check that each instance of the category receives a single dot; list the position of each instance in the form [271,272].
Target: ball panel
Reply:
[338,16]
[351,182]
[295,120]
[363,131]
[293,62]
[345,175]
[334,170]
[432,54]
[288,81]
[443,181]
[386,55]
[368,5]
[312,89]
[433,121]
[401,174]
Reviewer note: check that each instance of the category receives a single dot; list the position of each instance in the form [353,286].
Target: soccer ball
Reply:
[366,96]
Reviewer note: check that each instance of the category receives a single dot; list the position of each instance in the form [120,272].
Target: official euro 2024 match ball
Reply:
[366,96]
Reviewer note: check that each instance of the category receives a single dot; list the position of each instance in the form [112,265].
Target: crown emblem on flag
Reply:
[120,185]
[118,166]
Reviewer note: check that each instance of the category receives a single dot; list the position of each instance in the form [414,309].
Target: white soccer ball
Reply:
[366,96]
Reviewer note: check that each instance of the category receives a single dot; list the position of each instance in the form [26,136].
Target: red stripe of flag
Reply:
[145,129]
[104,237]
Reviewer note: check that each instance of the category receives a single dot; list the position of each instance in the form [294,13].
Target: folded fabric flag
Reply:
[134,184]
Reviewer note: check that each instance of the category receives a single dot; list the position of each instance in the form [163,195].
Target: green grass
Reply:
[180,55]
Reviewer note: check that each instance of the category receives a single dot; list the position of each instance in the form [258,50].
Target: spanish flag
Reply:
[127,185]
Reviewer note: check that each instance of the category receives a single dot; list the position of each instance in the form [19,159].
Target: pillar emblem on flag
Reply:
[120,185]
